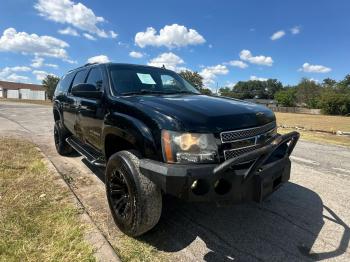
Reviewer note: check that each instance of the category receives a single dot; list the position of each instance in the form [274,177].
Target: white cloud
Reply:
[246,55]
[238,63]
[68,31]
[258,78]
[278,35]
[170,36]
[22,42]
[98,59]
[39,62]
[113,34]
[9,74]
[74,14]
[295,30]
[88,36]
[17,78]
[135,54]
[52,65]
[209,73]
[230,84]
[169,60]
[40,75]
[308,68]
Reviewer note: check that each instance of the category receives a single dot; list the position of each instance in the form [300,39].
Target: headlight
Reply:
[188,147]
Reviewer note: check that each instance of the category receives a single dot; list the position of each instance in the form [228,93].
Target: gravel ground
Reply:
[306,219]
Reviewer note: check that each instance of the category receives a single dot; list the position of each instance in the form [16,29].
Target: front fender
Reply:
[133,131]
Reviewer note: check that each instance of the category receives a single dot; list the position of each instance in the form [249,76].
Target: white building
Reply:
[22,91]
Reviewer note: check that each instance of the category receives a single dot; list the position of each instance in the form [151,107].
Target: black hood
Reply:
[201,113]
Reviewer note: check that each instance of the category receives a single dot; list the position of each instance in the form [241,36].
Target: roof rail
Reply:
[88,64]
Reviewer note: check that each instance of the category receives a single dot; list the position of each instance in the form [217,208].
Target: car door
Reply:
[66,100]
[72,103]
[91,111]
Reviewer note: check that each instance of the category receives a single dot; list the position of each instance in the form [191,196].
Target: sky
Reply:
[225,41]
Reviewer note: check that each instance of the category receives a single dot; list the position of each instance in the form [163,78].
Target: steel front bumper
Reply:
[251,176]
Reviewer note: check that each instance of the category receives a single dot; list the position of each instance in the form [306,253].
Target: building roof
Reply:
[16,86]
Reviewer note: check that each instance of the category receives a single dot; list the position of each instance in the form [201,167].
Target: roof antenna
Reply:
[163,66]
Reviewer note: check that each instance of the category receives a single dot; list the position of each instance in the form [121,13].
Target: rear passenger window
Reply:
[80,77]
[64,84]
[95,77]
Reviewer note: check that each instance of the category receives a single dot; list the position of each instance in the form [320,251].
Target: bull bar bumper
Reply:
[250,176]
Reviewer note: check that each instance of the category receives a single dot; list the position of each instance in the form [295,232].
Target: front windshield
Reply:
[146,80]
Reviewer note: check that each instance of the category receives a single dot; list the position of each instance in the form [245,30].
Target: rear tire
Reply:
[134,200]
[60,135]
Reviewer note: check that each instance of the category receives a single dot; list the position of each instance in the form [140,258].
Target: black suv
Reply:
[156,134]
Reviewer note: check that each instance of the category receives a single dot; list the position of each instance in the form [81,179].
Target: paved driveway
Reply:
[307,219]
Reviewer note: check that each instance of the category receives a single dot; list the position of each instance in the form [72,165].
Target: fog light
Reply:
[200,187]
[194,184]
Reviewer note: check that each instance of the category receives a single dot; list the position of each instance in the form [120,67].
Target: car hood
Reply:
[201,113]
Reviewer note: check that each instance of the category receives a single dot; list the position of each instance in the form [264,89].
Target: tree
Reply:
[335,103]
[225,91]
[257,89]
[272,86]
[206,91]
[329,83]
[344,85]
[193,77]
[308,92]
[286,97]
[50,82]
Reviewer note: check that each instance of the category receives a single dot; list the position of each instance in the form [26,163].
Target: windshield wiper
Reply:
[147,91]
[183,92]
[143,91]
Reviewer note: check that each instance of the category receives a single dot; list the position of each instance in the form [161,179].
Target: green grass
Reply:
[38,221]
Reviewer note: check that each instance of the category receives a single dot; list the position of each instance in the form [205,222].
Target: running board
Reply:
[92,157]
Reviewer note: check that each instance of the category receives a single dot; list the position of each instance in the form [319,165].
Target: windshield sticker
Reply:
[146,79]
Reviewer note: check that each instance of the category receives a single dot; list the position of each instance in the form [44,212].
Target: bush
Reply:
[335,103]
[286,97]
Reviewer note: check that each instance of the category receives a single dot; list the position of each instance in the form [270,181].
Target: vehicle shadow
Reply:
[284,227]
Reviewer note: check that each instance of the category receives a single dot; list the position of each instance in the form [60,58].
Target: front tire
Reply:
[134,200]
[60,135]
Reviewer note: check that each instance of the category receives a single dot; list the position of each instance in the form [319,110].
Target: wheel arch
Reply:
[123,132]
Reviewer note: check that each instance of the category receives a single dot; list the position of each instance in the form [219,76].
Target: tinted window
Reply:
[135,80]
[64,84]
[95,77]
[80,77]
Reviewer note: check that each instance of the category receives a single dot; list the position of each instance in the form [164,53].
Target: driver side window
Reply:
[95,77]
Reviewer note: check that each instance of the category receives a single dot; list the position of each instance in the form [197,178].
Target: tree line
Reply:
[331,96]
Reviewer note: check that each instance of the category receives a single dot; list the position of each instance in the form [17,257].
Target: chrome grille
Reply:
[239,151]
[231,136]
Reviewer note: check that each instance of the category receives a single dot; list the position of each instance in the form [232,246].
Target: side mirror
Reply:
[86,90]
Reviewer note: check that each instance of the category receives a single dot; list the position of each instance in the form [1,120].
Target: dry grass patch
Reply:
[314,122]
[316,128]
[38,221]
[37,102]
[319,137]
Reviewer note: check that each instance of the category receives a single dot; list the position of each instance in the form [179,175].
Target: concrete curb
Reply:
[103,249]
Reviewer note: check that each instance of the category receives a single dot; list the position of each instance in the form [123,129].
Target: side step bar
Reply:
[91,157]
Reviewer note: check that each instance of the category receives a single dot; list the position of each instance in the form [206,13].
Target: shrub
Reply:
[335,103]
[286,97]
